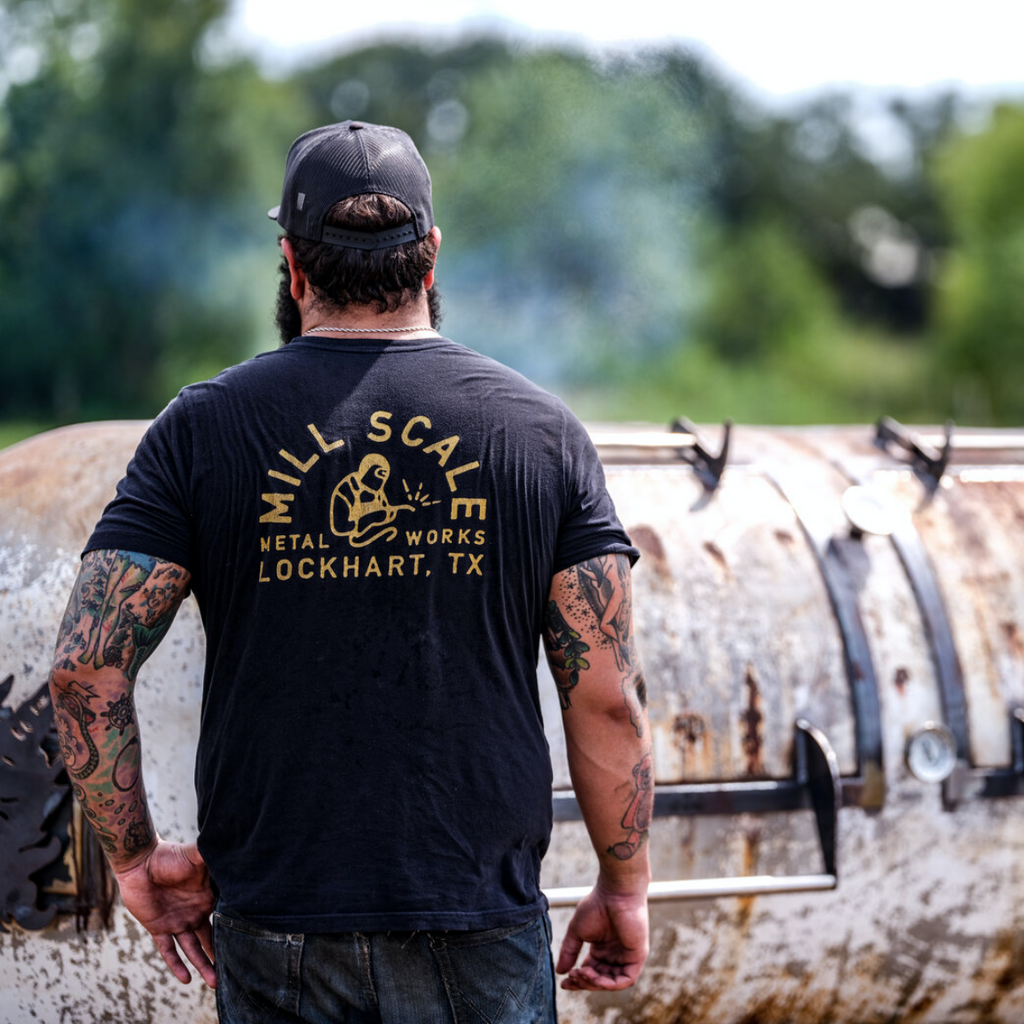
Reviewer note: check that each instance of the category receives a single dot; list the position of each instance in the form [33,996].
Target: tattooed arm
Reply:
[121,606]
[588,637]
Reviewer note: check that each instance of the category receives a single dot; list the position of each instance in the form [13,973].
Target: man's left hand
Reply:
[617,928]
[168,892]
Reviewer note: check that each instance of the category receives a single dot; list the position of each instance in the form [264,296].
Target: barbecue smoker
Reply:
[832,624]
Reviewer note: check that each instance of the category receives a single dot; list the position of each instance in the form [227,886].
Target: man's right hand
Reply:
[168,892]
[617,928]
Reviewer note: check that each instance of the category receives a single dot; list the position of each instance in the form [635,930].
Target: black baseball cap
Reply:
[332,163]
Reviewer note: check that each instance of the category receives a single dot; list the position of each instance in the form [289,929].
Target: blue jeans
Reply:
[497,976]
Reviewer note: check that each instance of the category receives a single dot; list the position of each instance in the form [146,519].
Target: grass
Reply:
[849,377]
[17,430]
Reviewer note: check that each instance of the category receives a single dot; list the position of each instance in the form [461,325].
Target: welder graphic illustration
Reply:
[359,502]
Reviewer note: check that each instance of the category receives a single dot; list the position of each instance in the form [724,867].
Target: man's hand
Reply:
[168,892]
[588,636]
[617,929]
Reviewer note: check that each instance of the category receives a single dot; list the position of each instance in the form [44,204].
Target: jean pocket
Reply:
[462,940]
[257,971]
[236,924]
[498,976]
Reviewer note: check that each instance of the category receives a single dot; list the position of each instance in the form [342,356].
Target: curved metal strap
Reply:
[939,631]
[925,585]
[860,667]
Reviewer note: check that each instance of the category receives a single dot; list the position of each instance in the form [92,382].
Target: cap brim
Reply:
[272,214]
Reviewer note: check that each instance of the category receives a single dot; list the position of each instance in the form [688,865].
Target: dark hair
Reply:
[388,277]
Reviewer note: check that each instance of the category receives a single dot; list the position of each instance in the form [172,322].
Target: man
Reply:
[378,524]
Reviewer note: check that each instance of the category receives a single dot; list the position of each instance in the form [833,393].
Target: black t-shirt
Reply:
[371,529]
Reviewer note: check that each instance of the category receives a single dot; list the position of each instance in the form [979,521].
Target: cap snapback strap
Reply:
[369,239]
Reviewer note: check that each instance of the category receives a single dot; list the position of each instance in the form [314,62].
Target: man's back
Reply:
[371,528]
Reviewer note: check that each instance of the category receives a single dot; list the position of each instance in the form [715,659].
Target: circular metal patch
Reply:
[870,510]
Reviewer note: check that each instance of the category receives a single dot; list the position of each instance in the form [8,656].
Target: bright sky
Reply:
[782,47]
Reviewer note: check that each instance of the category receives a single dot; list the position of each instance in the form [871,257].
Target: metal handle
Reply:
[683,439]
[816,776]
[997,782]
[708,888]
[708,467]
[928,466]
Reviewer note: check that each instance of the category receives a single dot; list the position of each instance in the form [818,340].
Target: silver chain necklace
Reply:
[367,330]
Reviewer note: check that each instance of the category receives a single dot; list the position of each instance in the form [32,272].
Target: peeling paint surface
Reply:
[738,639]
[976,531]
[52,490]
[924,927]
[926,923]
[727,591]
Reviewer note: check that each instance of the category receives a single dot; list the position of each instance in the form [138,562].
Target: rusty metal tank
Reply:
[832,624]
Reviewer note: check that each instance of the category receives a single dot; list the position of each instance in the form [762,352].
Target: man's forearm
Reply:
[613,779]
[121,606]
[102,754]
[590,647]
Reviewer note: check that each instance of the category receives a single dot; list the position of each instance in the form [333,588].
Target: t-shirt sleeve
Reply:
[590,526]
[152,513]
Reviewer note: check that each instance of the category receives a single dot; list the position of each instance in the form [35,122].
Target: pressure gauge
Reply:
[931,752]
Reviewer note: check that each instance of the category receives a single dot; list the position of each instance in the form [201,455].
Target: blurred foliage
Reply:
[981,286]
[13,431]
[566,190]
[123,170]
[765,299]
[628,230]
[846,379]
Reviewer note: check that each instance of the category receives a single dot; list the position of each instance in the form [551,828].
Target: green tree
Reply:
[981,315]
[125,195]
[764,299]
[566,187]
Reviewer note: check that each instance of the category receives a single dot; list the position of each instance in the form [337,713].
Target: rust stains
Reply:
[919,1010]
[691,735]
[805,1006]
[908,982]
[751,850]
[716,553]
[1013,639]
[1004,962]
[751,856]
[797,968]
[776,1010]
[688,726]
[752,723]
[649,543]
[901,678]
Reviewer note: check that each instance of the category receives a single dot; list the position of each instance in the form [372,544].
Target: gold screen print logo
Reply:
[360,509]
[369,512]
